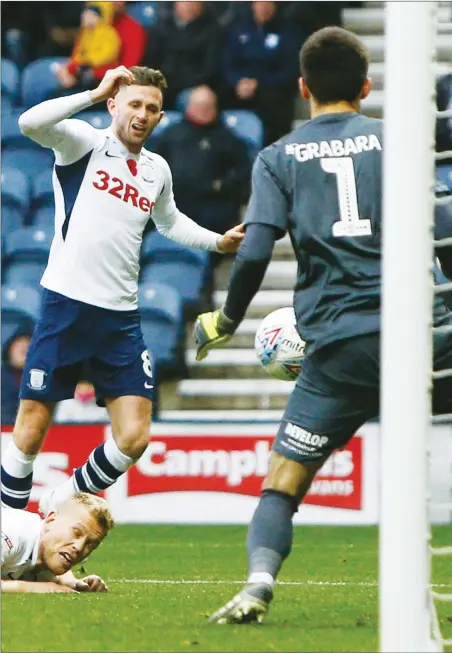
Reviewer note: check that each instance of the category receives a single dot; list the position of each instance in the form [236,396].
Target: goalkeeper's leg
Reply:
[336,392]
[269,540]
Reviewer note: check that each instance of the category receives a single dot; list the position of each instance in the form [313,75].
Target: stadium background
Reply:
[215,420]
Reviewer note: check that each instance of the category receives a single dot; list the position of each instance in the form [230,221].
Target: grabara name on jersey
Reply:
[334,148]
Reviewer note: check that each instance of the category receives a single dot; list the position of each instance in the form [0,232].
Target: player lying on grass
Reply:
[38,555]
[107,189]
[323,184]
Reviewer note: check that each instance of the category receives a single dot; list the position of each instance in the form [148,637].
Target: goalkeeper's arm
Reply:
[216,328]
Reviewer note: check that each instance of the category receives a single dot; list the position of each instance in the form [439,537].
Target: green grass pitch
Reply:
[331,605]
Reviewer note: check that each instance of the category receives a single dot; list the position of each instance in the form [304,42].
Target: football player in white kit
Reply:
[107,187]
[38,554]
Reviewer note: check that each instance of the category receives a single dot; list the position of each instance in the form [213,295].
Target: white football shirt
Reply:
[21,531]
[104,197]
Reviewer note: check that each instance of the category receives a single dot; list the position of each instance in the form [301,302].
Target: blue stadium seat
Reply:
[7,105]
[28,160]
[26,254]
[15,189]
[162,324]
[20,152]
[247,126]
[20,305]
[182,99]
[44,218]
[25,273]
[15,199]
[170,118]
[39,81]
[98,119]
[145,13]
[28,243]
[163,300]
[444,172]
[10,84]
[440,279]
[12,218]
[42,190]
[11,134]
[183,268]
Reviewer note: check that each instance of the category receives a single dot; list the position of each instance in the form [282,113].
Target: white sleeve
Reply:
[9,553]
[173,224]
[10,533]
[46,124]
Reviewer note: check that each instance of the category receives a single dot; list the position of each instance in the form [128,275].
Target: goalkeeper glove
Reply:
[212,330]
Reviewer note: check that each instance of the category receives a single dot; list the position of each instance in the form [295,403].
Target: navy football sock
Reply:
[270,534]
[103,468]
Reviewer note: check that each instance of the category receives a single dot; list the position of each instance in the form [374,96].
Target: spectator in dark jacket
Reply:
[14,356]
[261,67]
[186,49]
[211,167]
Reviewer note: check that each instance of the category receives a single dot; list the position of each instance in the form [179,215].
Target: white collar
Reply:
[118,148]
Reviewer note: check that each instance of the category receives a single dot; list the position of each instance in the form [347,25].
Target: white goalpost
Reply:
[408,620]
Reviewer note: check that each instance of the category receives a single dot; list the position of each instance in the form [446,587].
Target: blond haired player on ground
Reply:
[107,188]
[38,554]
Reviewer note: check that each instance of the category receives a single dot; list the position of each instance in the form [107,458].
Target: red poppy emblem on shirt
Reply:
[132,166]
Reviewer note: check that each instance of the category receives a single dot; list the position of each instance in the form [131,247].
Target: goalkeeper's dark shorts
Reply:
[338,390]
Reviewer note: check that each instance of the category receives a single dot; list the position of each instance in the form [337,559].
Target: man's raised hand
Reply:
[111,82]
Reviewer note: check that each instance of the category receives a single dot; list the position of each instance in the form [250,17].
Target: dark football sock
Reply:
[270,534]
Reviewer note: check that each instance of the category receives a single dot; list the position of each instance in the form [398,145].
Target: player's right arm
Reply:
[47,124]
[31,587]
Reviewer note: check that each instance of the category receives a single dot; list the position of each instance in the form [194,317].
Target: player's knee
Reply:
[290,477]
[32,423]
[133,440]
[28,439]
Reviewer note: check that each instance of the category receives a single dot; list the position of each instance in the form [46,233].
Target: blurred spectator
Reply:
[186,49]
[444,125]
[14,356]
[97,44]
[211,167]
[132,37]
[223,11]
[311,16]
[82,408]
[23,30]
[62,21]
[261,67]
[133,41]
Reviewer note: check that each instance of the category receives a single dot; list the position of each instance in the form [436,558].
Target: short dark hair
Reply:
[149,77]
[334,64]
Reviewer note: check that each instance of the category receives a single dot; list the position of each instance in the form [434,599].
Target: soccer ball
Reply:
[278,345]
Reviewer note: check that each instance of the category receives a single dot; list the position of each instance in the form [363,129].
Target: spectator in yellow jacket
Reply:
[98,43]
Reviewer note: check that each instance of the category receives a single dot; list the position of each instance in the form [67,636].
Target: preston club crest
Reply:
[37,379]
[147,172]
